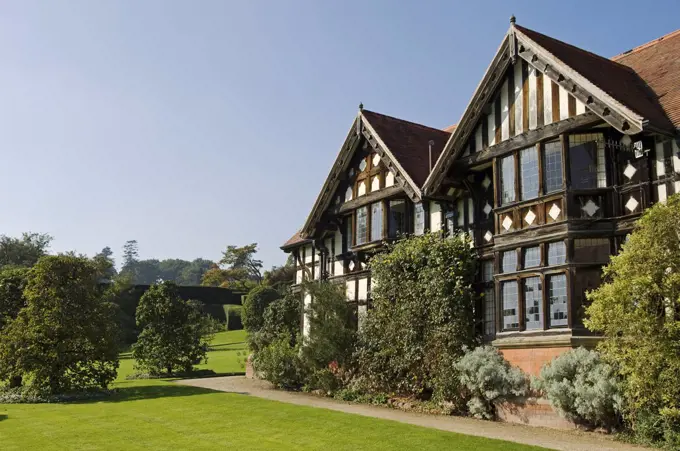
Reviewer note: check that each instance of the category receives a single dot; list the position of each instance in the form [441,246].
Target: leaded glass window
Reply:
[397,224]
[362,224]
[510,302]
[419,214]
[349,240]
[552,167]
[533,302]
[487,271]
[557,253]
[532,257]
[376,221]
[489,311]
[528,164]
[509,261]
[587,161]
[557,299]
[508,179]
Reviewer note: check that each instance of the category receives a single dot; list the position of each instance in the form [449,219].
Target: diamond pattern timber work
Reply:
[554,212]
[632,204]
[590,208]
[488,236]
[362,165]
[507,223]
[530,217]
[486,182]
[376,159]
[351,266]
[487,209]
[630,171]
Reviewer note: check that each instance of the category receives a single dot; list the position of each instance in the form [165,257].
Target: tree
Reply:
[281,316]
[12,283]
[171,331]
[130,253]
[637,308]
[255,305]
[104,260]
[423,316]
[24,251]
[65,338]
[238,269]
[280,277]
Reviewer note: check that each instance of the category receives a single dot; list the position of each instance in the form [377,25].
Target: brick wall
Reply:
[532,412]
[530,360]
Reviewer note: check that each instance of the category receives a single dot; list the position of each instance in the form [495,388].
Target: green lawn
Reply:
[157,414]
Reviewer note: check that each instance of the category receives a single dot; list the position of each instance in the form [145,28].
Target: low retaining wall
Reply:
[532,412]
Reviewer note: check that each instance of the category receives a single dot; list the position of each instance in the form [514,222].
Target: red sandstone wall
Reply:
[531,360]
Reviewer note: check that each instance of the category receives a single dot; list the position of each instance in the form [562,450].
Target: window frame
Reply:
[537,176]
[546,173]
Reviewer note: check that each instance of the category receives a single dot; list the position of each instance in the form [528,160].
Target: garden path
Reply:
[548,438]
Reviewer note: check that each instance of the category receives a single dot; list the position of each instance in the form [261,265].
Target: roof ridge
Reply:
[645,45]
[404,120]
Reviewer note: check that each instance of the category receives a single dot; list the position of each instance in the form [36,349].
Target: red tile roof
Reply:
[658,64]
[409,143]
[295,240]
[617,80]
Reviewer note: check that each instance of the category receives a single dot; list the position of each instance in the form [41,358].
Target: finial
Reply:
[512,19]
[361,107]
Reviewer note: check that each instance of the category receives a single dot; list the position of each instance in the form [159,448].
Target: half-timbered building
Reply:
[556,155]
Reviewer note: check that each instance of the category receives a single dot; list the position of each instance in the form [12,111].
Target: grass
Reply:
[158,414]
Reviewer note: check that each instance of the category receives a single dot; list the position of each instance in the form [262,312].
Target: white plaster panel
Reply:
[338,243]
[662,193]
[389,179]
[298,276]
[580,107]
[339,268]
[435,216]
[677,187]
[361,189]
[348,194]
[363,289]
[547,101]
[518,98]
[350,290]
[564,103]
[307,301]
[375,183]
[676,157]
[505,111]
[478,138]
[533,99]
[309,251]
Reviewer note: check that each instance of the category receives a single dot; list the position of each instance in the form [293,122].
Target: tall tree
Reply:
[280,277]
[130,252]
[24,251]
[238,269]
[104,261]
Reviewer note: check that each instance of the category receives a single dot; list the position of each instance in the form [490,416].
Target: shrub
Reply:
[281,316]
[12,283]
[171,337]
[233,315]
[637,311]
[65,339]
[279,363]
[489,378]
[254,306]
[582,387]
[423,317]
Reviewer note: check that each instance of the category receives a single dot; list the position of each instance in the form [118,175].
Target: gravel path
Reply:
[548,438]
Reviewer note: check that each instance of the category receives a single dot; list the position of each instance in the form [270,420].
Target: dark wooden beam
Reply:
[539,99]
[532,137]
[366,199]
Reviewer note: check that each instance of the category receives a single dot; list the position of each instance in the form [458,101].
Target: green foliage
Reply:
[238,269]
[331,337]
[12,284]
[65,338]
[233,315]
[582,387]
[24,251]
[423,317]
[280,277]
[280,363]
[254,306]
[106,264]
[637,311]
[171,337]
[282,316]
[489,378]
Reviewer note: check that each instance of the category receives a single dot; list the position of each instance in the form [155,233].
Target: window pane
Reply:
[487,271]
[586,156]
[509,261]
[376,221]
[532,257]
[397,218]
[508,179]
[528,163]
[557,299]
[533,302]
[557,253]
[510,305]
[595,250]
[362,216]
[552,166]
[419,224]
[460,213]
[489,312]
[349,241]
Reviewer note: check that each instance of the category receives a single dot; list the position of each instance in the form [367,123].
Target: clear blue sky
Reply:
[192,125]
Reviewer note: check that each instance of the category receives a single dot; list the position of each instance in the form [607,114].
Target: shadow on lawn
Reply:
[137,393]
[3,416]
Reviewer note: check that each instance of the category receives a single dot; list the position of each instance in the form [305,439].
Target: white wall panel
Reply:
[338,243]
[564,103]
[533,99]
[505,110]
[375,183]
[676,158]
[350,290]
[547,101]
[309,251]
[478,138]
[307,301]
[339,268]
[518,98]
[363,289]
[361,189]
[389,179]
[580,107]
[662,193]
[491,126]
[435,216]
